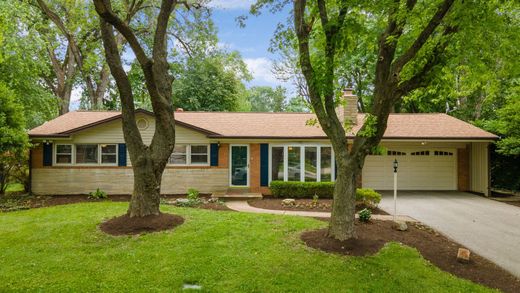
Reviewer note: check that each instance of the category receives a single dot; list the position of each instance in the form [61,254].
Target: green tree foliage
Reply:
[268,99]
[13,139]
[22,55]
[209,84]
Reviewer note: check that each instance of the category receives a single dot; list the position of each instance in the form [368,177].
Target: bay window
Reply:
[308,163]
[277,163]
[294,164]
[326,164]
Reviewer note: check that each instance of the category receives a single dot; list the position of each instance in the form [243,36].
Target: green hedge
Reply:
[295,189]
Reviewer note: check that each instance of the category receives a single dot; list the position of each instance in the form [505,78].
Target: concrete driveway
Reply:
[487,227]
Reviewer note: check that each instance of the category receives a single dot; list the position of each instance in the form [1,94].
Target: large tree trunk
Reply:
[341,225]
[146,196]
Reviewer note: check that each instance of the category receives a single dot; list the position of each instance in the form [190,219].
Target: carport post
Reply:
[395,187]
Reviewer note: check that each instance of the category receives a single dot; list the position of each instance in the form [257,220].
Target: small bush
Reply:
[294,189]
[98,194]
[365,215]
[193,194]
[315,199]
[368,196]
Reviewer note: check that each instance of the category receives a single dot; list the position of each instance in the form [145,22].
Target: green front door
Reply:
[239,165]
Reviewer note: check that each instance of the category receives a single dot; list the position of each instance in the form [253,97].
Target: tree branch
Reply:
[425,34]
[104,9]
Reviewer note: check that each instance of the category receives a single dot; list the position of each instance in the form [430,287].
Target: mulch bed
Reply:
[433,246]
[324,205]
[124,225]
[513,203]
[48,201]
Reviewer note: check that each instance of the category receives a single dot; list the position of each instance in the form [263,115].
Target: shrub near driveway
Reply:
[61,249]
[294,189]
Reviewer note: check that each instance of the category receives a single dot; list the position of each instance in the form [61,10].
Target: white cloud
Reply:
[231,4]
[261,69]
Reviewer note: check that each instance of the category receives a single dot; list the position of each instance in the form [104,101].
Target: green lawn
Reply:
[61,249]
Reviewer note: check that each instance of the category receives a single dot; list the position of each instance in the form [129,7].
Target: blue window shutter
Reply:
[264,164]
[47,154]
[121,154]
[214,154]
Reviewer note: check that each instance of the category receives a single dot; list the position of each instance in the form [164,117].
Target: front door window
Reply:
[239,165]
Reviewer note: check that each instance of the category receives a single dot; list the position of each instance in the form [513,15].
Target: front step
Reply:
[236,194]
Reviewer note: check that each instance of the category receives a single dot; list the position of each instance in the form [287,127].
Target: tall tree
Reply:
[148,162]
[412,43]
[74,48]
[267,99]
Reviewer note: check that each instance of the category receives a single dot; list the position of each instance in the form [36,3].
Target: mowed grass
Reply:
[61,249]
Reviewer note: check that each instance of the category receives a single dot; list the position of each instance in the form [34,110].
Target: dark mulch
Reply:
[434,247]
[29,202]
[513,203]
[124,225]
[324,205]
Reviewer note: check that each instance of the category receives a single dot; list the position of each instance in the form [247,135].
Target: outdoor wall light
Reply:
[396,164]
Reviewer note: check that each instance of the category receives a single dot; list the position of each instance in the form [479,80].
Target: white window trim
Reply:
[101,155]
[188,155]
[55,154]
[73,154]
[302,161]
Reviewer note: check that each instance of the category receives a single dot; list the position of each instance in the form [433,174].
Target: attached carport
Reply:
[430,165]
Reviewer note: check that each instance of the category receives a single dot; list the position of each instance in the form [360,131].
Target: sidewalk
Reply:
[243,206]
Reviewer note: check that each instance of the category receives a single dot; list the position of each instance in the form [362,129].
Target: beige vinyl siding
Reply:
[479,178]
[111,132]
[62,181]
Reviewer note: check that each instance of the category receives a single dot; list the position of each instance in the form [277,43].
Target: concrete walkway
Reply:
[243,206]
[487,227]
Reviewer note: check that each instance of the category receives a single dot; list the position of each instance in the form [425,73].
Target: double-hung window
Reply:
[108,154]
[190,155]
[199,154]
[63,154]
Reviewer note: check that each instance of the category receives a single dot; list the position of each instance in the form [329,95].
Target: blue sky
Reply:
[251,41]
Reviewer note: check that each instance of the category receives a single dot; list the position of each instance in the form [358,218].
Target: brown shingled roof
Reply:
[277,125]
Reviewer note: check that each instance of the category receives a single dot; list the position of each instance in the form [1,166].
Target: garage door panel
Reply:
[415,172]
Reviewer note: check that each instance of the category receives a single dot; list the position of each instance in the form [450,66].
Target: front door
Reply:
[239,165]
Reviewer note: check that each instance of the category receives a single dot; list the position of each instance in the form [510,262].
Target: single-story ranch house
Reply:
[217,152]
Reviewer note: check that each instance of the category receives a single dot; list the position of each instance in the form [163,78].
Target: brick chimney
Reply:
[348,108]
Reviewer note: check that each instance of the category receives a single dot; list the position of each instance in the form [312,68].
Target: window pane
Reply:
[199,154]
[108,148]
[178,156]
[199,149]
[199,159]
[108,159]
[294,166]
[311,164]
[277,163]
[63,159]
[86,153]
[63,148]
[326,163]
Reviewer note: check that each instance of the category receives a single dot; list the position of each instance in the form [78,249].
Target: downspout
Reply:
[30,171]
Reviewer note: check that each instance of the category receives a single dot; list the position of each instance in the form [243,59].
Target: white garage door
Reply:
[418,170]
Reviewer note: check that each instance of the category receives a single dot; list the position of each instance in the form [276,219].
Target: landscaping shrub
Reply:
[193,194]
[365,215]
[98,194]
[368,196]
[296,189]
[313,190]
